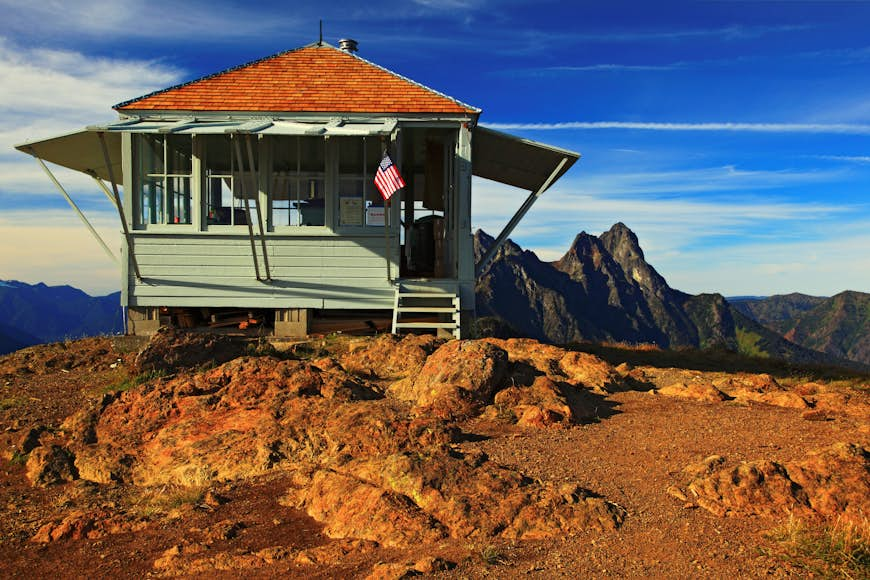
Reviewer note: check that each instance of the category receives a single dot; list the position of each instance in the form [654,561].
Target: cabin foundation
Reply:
[143,320]
[292,322]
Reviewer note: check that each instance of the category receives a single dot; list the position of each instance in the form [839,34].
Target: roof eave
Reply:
[176,113]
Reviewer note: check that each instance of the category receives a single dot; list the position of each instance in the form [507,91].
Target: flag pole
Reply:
[387,226]
[387,238]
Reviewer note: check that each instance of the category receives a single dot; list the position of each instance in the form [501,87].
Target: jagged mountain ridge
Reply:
[37,313]
[603,289]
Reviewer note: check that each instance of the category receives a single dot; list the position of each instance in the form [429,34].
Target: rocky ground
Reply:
[195,455]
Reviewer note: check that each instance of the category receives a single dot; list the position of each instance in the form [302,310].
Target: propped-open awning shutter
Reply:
[80,151]
[335,127]
[516,161]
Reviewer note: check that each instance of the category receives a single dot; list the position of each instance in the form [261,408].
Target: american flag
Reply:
[387,178]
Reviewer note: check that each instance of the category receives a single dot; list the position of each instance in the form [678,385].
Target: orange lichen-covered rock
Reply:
[539,405]
[457,379]
[476,501]
[578,368]
[695,391]
[834,481]
[390,357]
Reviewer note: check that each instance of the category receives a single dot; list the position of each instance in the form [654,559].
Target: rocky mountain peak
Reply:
[622,243]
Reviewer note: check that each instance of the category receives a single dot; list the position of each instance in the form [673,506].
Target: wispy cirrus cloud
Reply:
[818,128]
[136,19]
[862,159]
[46,92]
[610,67]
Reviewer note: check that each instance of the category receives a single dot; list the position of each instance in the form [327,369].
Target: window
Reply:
[359,202]
[225,194]
[164,170]
[298,181]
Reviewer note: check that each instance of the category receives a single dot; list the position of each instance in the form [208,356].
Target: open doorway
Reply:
[428,204]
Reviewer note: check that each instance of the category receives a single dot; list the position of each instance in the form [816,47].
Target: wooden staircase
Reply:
[435,312]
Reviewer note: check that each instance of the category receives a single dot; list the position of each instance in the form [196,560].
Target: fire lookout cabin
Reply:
[251,189]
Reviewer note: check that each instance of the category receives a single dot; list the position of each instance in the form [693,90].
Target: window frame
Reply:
[141,177]
[298,176]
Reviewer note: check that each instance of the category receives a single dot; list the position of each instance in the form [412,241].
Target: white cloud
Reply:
[827,128]
[862,159]
[159,19]
[50,92]
[447,5]
[71,85]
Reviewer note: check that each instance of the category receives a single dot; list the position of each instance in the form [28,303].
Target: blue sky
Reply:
[732,137]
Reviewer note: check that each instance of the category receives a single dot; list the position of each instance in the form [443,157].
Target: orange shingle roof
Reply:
[314,78]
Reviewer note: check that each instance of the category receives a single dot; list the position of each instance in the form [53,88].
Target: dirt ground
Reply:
[631,454]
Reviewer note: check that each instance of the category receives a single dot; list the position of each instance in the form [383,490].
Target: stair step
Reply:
[425,295]
[446,309]
[425,325]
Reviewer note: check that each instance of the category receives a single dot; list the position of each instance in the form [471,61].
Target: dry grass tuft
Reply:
[832,550]
[163,500]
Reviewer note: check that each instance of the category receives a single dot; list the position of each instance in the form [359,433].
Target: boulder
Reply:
[353,508]
[831,482]
[466,496]
[51,464]
[389,356]
[170,350]
[457,379]
[694,391]
[540,405]
[577,368]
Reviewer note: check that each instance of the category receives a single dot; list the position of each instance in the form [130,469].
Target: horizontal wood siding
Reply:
[307,272]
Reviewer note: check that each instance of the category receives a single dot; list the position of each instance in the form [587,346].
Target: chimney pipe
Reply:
[348,45]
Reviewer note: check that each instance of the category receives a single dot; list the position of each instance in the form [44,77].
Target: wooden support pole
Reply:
[257,205]
[127,237]
[240,159]
[73,205]
[102,186]
[527,205]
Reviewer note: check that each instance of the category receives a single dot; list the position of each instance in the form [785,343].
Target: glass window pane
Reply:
[178,206]
[151,200]
[312,155]
[350,156]
[218,196]
[178,154]
[298,180]
[218,154]
[150,153]
[311,203]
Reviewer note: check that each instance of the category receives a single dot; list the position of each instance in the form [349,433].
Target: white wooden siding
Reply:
[307,272]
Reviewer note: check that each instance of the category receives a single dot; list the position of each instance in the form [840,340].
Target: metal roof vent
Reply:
[348,45]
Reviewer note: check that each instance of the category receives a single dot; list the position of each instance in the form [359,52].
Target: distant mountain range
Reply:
[838,326]
[603,289]
[34,314]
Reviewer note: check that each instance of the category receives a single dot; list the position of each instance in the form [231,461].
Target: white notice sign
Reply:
[375,215]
